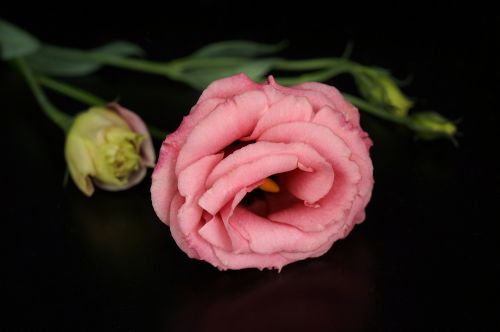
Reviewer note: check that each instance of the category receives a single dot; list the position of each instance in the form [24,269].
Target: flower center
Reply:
[121,153]
[269,197]
[122,158]
[269,186]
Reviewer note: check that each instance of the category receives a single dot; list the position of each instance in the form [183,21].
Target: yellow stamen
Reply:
[269,186]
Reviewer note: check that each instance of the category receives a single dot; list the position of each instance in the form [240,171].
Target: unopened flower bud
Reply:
[109,147]
[378,87]
[430,125]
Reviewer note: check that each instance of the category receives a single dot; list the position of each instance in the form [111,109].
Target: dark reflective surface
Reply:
[424,260]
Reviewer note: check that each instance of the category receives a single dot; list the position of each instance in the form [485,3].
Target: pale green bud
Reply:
[378,87]
[108,148]
[430,125]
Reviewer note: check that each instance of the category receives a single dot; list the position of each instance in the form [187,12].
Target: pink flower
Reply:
[241,136]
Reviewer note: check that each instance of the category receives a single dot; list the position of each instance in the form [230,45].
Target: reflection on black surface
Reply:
[115,230]
[332,293]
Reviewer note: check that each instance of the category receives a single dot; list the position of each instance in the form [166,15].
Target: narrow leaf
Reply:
[15,42]
[238,48]
[52,62]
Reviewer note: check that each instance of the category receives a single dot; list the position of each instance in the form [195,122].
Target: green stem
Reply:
[71,91]
[318,76]
[170,69]
[189,63]
[87,98]
[309,64]
[326,68]
[173,68]
[63,120]
[113,60]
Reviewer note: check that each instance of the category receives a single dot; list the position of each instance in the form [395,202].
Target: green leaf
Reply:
[14,42]
[51,61]
[255,69]
[238,48]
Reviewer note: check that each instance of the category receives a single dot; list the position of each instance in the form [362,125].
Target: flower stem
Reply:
[113,60]
[87,98]
[309,64]
[317,76]
[71,91]
[61,119]
[174,69]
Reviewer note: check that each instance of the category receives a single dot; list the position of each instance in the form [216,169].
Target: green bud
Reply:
[102,148]
[378,87]
[430,125]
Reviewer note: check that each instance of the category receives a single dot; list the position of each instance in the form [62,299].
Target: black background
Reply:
[425,259]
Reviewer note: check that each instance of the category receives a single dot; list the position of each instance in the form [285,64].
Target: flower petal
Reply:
[191,186]
[80,165]
[356,139]
[136,124]
[227,123]
[347,175]
[191,181]
[229,87]
[243,261]
[179,237]
[239,243]
[267,237]
[320,138]
[188,219]
[134,179]
[224,189]
[164,180]
[337,100]
[333,208]
[320,95]
[308,186]
[215,233]
[288,109]
[191,243]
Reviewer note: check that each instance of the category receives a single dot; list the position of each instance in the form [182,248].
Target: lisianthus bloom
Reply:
[109,147]
[261,175]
